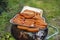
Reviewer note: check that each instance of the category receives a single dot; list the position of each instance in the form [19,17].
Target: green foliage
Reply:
[51,11]
[6,36]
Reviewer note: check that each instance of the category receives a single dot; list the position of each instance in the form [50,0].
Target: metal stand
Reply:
[56,32]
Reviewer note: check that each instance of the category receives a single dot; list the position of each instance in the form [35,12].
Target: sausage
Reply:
[28,13]
[18,19]
[40,23]
[37,16]
[29,22]
[28,29]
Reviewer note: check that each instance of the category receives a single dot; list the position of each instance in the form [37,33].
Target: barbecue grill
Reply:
[30,36]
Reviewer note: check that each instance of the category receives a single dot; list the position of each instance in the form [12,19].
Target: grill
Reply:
[19,34]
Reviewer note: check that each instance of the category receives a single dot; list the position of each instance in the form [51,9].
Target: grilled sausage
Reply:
[28,29]
[28,14]
[40,23]
[18,19]
[29,22]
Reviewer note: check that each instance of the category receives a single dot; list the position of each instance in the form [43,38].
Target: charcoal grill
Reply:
[16,32]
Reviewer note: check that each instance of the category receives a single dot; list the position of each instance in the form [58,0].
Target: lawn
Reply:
[51,13]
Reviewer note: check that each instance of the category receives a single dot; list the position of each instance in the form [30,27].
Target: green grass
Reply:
[51,11]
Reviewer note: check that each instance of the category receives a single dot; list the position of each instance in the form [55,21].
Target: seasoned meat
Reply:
[18,20]
[40,23]
[37,16]
[28,14]
[28,29]
[29,22]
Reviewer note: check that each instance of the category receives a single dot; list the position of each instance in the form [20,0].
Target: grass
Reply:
[51,11]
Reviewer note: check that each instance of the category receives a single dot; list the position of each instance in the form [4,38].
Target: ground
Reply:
[51,13]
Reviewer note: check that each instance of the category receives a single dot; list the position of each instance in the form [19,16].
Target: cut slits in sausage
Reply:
[28,29]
